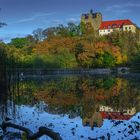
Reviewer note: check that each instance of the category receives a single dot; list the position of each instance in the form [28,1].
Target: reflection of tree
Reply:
[3,101]
[94,91]
[6,106]
[3,84]
[128,97]
[80,95]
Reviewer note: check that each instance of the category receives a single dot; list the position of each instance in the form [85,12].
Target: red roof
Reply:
[115,116]
[115,24]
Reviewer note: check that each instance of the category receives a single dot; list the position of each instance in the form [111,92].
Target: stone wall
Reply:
[94,18]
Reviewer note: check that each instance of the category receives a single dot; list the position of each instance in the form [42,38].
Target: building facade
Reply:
[107,27]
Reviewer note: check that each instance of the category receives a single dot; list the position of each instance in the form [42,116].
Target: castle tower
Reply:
[95,19]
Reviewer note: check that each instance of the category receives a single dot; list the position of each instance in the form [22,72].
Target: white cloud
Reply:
[110,8]
[57,21]
[132,5]
[121,9]
[34,17]
[72,19]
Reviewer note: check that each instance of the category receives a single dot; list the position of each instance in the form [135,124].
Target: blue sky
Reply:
[23,16]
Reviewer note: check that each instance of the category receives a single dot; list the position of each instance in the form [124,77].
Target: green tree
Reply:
[108,60]
[73,29]
[19,42]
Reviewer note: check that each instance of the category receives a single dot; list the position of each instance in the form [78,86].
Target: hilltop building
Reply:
[130,112]
[107,27]
[95,19]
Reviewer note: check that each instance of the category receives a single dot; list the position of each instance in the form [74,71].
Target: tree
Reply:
[73,29]
[62,31]
[2,23]
[19,42]
[49,33]
[108,60]
[81,55]
[38,35]
[79,48]
[128,43]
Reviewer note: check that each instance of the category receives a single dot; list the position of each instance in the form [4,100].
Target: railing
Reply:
[23,72]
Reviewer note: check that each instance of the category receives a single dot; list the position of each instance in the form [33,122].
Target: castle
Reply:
[107,27]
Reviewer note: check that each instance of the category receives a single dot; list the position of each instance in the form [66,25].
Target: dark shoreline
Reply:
[44,73]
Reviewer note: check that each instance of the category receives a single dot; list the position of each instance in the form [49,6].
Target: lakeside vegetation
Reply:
[73,46]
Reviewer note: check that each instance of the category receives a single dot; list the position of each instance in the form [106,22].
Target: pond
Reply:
[79,107]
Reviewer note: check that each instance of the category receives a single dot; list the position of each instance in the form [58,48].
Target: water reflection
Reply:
[93,99]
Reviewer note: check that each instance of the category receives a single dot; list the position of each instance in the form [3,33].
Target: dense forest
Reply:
[73,46]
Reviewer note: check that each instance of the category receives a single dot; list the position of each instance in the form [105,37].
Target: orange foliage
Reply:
[59,99]
[55,45]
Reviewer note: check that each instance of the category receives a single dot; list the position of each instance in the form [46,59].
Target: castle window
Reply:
[94,15]
[130,28]
[109,26]
[114,25]
[119,25]
[108,30]
[125,28]
[86,16]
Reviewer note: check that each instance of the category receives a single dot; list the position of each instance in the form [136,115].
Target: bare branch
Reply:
[30,135]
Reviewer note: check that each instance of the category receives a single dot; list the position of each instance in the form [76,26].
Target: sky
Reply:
[24,16]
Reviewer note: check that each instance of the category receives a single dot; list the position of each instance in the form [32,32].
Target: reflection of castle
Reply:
[131,111]
[110,113]
[106,27]
[106,112]
[95,121]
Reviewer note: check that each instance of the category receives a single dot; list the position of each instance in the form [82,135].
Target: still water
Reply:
[78,107]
